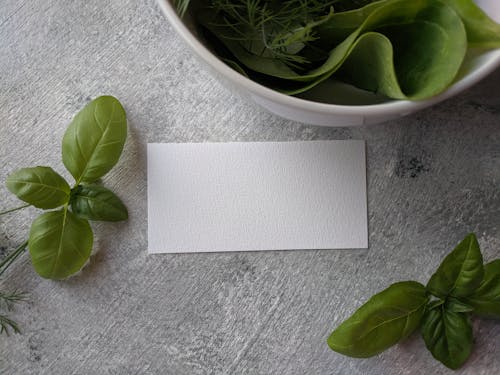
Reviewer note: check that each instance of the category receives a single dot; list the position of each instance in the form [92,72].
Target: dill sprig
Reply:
[7,324]
[272,28]
[7,301]
[276,29]
[181,6]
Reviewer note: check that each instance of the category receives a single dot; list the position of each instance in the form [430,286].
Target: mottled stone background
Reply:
[432,178]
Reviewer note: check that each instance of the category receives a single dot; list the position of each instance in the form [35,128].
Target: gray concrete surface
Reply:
[432,178]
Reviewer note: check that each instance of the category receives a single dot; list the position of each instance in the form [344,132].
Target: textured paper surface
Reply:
[205,197]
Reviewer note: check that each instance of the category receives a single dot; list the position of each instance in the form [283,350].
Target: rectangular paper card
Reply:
[205,197]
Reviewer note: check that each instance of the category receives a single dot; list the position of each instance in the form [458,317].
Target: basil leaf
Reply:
[448,336]
[486,299]
[461,271]
[59,243]
[94,140]
[386,318]
[453,304]
[95,202]
[41,187]
[435,303]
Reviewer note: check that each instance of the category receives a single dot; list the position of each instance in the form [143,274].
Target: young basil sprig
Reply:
[461,286]
[61,240]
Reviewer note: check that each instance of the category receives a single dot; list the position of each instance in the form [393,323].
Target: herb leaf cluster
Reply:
[61,239]
[461,286]
[403,49]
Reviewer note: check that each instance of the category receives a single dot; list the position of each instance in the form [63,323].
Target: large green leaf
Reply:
[455,305]
[461,271]
[59,243]
[385,319]
[448,336]
[370,66]
[41,187]
[486,298]
[94,140]
[415,60]
[95,202]
[419,53]
[482,31]
[343,24]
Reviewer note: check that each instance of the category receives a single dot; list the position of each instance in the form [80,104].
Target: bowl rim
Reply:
[391,107]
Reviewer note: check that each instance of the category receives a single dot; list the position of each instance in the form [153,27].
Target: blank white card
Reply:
[205,197]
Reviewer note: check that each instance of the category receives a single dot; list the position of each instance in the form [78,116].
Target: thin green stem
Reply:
[6,324]
[14,209]
[12,257]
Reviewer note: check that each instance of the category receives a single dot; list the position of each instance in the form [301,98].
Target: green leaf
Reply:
[454,305]
[233,64]
[95,202]
[461,271]
[385,319]
[59,243]
[486,299]
[404,50]
[435,303]
[94,140]
[41,187]
[448,336]
[482,31]
[413,59]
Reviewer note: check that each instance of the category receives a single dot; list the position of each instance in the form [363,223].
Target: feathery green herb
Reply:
[9,299]
[7,302]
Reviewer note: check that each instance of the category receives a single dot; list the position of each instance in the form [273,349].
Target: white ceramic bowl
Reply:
[358,107]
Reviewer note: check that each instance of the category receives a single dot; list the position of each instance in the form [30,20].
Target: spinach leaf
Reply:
[41,187]
[482,31]
[415,53]
[461,271]
[370,66]
[59,243]
[448,336]
[486,298]
[94,202]
[94,140]
[386,318]
[343,24]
